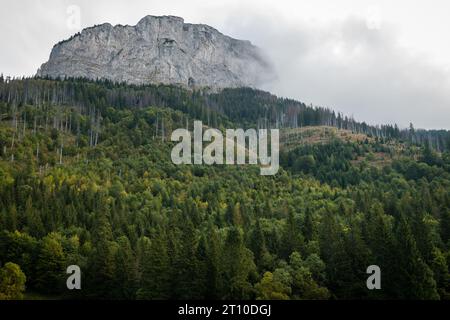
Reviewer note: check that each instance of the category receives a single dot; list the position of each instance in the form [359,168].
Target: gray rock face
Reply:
[159,50]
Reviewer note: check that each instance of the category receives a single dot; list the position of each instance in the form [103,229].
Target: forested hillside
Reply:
[241,107]
[86,179]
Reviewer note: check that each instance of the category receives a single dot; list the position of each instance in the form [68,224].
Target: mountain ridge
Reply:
[159,49]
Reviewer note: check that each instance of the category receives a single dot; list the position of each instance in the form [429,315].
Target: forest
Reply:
[86,179]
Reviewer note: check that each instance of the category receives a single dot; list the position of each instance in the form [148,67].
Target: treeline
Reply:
[254,107]
[243,107]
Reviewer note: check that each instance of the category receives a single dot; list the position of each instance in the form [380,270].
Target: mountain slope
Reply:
[86,179]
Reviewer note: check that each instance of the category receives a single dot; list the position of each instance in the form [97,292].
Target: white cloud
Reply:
[354,68]
[380,61]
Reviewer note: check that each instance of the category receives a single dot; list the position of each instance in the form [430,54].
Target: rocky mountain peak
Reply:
[159,49]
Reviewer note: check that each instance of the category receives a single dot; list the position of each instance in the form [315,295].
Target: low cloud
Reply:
[351,65]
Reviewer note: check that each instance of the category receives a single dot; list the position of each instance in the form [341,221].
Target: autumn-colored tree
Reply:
[12,282]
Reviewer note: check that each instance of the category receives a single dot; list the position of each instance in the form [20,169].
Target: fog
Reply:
[353,67]
[381,63]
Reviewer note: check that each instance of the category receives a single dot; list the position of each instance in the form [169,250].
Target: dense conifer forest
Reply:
[86,179]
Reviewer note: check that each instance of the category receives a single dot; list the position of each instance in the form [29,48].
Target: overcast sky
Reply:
[381,61]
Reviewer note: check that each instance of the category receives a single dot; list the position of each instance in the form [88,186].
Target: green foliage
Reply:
[12,282]
[272,289]
[155,276]
[412,272]
[50,265]
[92,184]
[237,266]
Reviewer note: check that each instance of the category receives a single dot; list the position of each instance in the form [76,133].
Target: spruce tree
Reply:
[102,268]
[214,285]
[292,238]
[414,277]
[50,265]
[155,277]
[125,273]
[237,266]
[186,264]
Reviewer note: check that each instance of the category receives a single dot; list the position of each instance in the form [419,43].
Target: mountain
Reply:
[159,50]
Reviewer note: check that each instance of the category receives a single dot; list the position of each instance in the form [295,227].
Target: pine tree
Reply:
[202,267]
[414,277]
[237,266]
[292,239]
[258,243]
[155,277]
[125,276]
[332,249]
[359,254]
[380,239]
[213,288]
[50,265]
[100,277]
[186,264]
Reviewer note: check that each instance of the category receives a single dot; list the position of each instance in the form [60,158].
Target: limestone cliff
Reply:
[159,50]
